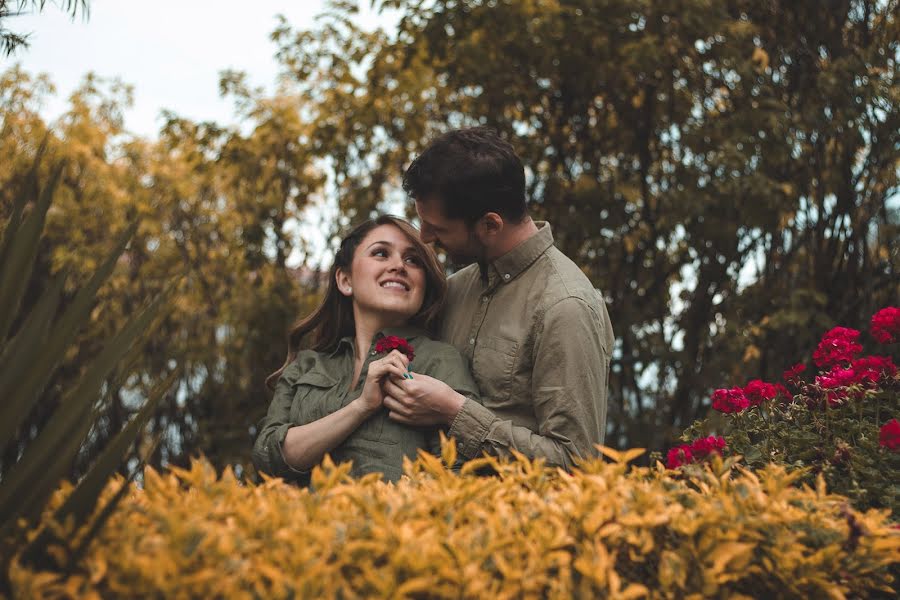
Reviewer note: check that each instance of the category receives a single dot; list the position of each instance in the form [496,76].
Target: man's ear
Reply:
[489,225]
[344,282]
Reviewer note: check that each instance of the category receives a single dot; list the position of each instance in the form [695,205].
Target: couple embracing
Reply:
[510,353]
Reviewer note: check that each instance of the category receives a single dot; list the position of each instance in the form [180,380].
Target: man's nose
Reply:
[427,235]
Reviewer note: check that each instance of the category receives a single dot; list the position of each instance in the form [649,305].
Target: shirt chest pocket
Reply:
[493,364]
[315,396]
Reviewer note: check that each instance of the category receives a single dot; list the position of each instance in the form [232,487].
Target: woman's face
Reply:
[387,275]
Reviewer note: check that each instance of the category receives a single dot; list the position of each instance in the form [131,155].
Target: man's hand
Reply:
[422,400]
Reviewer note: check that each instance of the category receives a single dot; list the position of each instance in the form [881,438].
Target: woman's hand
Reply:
[394,364]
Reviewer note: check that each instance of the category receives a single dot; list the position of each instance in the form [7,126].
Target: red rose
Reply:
[392,342]
[885,325]
[837,346]
[889,437]
[758,391]
[730,401]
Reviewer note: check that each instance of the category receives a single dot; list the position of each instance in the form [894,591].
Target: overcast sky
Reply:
[170,51]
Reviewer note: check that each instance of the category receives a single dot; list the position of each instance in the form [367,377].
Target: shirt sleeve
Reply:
[571,357]
[268,454]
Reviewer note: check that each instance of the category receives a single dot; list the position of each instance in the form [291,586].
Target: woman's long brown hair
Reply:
[333,318]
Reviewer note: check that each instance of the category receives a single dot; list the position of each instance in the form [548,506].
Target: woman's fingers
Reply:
[404,360]
[395,363]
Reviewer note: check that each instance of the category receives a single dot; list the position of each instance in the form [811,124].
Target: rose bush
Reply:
[840,422]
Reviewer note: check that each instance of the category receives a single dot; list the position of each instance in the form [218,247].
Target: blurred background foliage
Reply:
[725,171]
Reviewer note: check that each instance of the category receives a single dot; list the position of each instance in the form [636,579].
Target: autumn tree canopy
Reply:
[725,171]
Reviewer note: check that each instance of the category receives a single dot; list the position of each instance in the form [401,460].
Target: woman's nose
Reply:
[397,263]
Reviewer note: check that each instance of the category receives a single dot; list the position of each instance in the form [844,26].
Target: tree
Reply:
[722,170]
[11,41]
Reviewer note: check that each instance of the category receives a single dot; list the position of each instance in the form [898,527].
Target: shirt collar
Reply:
[407,332]
[510,265]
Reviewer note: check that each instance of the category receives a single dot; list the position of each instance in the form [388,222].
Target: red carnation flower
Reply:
[869,369]
[792,375]
[783,393]
[889,436]
[758,391]
[730,401]
[703,447]
[679,456]
[837,346]
[836,382]
[885,325]
[696,450]
[392,342]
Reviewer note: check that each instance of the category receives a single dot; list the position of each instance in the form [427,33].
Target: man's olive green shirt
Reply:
[539,340]
[317,384]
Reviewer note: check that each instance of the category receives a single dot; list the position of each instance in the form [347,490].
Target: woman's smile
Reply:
[397,285]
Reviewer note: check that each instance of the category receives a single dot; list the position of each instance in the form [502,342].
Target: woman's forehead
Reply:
[388,234]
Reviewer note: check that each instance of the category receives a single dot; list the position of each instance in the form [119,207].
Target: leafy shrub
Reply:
[714,530]
[840,423]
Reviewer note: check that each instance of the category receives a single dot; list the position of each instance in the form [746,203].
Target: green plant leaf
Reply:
[51,453]
[22,250]
[82,500]
[20,354]
[23,382]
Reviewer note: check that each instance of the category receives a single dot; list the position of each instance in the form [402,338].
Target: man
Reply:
[535,330]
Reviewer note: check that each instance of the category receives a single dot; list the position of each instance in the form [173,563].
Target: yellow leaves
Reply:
[638,99]
[448,450]
[730,559]
[672,570]
[606,530]
[760,58]
[622,458]
[751,353]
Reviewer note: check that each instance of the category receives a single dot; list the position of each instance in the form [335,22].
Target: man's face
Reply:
[453,235]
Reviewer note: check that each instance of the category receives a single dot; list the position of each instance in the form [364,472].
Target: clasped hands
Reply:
[411,398]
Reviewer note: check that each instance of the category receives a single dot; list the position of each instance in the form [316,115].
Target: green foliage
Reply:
[723,171]
[840,424]
[839,442]
[33,341]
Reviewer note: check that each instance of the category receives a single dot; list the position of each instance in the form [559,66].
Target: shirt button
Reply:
[372,353]
[506,276]
[471,341]
[484,298]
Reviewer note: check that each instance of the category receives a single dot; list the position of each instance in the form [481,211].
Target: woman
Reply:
[384,284]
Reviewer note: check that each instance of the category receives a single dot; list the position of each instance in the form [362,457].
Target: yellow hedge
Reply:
[609,530]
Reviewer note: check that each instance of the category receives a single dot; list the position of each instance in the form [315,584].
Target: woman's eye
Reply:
[379,252]
[414,260]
